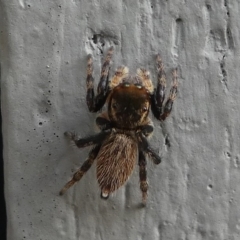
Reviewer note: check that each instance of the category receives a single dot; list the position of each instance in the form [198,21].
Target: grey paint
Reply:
[194,193]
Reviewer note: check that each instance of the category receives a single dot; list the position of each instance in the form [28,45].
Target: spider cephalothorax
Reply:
[128,105]
[125,126]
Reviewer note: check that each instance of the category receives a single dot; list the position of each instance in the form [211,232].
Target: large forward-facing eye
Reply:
[145,109]
[114,105]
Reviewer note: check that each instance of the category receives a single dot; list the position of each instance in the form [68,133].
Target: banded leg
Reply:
[145,147]
[81,171]
[95,103]
[153,155]
[143,176]
[159,93]
[120,74]
[87,141]
[173,93]
[144,75]
[161,87]
[160,111]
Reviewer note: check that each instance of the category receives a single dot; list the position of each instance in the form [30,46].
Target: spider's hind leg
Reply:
[143,176]
[146,148]
[82,170]
[95,103]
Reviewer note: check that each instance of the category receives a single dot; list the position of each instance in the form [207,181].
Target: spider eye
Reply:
[145,109]
[114,105]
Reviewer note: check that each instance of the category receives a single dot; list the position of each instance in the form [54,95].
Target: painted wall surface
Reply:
[194,193]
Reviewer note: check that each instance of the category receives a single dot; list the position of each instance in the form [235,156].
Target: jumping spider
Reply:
[125,126]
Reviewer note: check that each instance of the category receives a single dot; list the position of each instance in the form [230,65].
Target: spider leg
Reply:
[143,176]
[90,86]
[87,141]
[145,147]
[146,130]
[173,93]
[103,121]
[95,103]
[146,80]
[153,155]
[159,93]
[160,111]
[120,74]
[82,170]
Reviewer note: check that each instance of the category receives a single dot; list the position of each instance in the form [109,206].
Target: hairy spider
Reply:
[125,126]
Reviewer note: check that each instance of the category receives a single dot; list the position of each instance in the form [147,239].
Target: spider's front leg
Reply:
[95,103]
[161,111]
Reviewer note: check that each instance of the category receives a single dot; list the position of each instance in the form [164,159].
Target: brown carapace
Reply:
[125,126]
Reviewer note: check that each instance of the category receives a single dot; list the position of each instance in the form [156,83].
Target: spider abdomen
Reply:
[115,162]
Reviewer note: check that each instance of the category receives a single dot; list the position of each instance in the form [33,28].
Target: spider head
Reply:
[129,105]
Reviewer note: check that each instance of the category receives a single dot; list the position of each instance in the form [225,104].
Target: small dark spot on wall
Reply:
[209,7]
[95,38]
[210,186]
[167,142]
[99,39]
[179,20]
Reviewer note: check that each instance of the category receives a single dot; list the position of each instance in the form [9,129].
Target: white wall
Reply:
[194,193]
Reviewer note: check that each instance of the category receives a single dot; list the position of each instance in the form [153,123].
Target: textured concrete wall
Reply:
[194,193]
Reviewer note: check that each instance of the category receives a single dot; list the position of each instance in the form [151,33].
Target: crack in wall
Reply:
[229,35]
[226,6]
[229,46]
[224,72]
